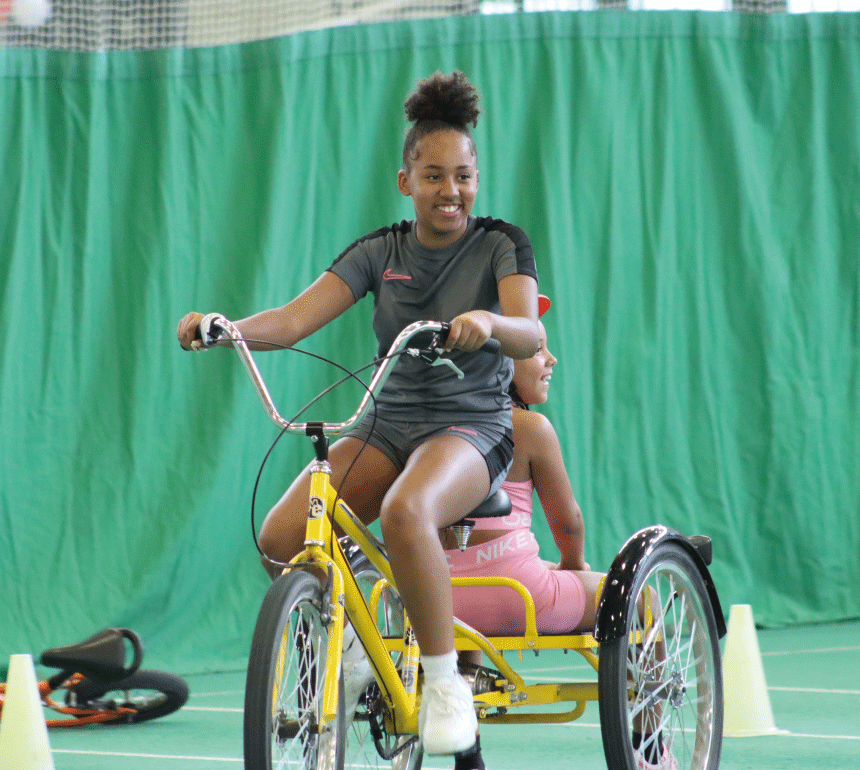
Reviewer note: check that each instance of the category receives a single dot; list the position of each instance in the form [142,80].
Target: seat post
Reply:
[462,529]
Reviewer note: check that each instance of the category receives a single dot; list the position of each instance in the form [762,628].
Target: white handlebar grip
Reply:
[211,329]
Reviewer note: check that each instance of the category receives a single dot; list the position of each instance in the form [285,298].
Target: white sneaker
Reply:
[357,675]
[446,720]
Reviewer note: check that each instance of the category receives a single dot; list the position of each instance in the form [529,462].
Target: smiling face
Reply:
[532,375]
[442,179]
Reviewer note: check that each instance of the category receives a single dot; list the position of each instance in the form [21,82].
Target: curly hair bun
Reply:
[444,98]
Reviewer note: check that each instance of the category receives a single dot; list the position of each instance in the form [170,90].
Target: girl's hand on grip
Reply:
[188,332]
[469,331]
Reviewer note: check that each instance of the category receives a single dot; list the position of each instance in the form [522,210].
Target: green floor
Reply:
[812,676]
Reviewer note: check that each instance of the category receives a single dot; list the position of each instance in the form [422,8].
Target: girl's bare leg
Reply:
[591,582]
[283,532]
[444,479]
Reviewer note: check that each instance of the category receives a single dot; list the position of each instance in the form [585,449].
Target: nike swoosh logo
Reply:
[389,276]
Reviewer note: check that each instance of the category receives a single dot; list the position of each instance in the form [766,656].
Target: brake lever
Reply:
[434,357]
[443,361]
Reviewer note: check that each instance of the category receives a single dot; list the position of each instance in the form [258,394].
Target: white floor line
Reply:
[823,690]
[813,651]
[783,733]
[210,694]
[213,708]
[145,756]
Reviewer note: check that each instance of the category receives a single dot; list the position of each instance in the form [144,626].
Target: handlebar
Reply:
[214,328]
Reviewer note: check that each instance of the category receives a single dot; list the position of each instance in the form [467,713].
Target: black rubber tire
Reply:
[687,689]
[151,694]
[282,696]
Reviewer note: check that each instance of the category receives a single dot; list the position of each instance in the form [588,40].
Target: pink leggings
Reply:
[499,611]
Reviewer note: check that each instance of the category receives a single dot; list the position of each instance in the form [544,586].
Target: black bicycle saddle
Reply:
[496,505]
[102,656]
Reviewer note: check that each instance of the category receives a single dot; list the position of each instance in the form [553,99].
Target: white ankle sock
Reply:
[439,666]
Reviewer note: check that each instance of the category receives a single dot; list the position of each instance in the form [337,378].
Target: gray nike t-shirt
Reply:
[411,282]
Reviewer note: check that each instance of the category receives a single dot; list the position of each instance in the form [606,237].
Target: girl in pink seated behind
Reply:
[564,593]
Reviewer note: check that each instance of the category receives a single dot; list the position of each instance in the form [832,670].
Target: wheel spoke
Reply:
[282,694]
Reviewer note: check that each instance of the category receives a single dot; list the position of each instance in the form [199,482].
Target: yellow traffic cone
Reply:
[747,704]
[23,732]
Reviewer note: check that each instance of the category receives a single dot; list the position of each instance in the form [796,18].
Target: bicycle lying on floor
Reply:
[98,687]
[655,647]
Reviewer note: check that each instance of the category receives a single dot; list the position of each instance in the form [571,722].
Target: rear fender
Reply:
[619,580]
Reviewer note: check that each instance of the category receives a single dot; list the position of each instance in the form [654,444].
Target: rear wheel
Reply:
[663,678]
[283,690]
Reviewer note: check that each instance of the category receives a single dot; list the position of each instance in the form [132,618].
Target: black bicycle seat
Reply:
[102,656]
[496,505]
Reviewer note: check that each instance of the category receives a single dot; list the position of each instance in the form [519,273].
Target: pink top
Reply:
[520,516]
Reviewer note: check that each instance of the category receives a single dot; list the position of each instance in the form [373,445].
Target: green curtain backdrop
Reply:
[691,184]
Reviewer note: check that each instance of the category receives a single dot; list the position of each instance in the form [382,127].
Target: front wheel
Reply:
[283,690]
[660,684]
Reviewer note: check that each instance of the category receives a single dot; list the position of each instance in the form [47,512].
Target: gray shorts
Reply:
[397,440]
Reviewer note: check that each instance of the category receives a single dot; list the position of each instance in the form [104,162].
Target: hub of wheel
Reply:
[677,690]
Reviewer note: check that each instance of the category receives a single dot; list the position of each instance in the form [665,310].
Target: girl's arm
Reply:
[323,301]
[553,488]
[516,328]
